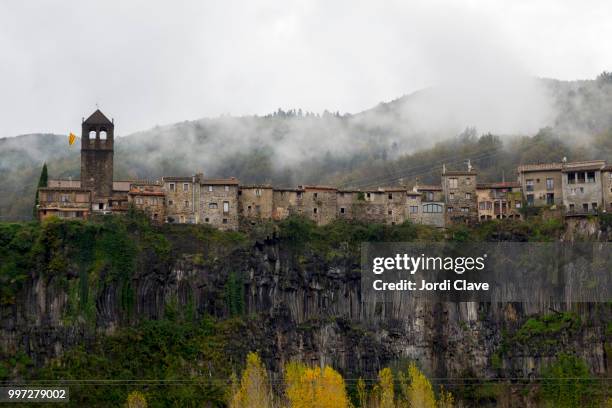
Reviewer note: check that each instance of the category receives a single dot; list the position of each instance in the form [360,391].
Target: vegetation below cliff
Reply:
[116,305]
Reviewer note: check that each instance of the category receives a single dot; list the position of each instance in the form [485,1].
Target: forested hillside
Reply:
[379,146]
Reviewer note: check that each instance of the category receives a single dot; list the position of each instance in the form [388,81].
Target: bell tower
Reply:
[97,140]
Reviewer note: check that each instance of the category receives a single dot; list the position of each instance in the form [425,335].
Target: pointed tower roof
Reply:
[98,118]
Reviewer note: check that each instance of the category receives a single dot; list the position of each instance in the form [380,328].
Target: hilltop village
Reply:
[569,189]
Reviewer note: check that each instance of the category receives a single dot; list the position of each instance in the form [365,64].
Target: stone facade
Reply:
[286,202]
[182,196]
[499,201]
[64,202]
[255,202]
[459,188]
[320,203]
[582,187]
[606,183]
[97,144]
[541,184]
[219,203]
[150,198]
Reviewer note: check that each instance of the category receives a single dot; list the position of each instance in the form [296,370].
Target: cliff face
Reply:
[299,302]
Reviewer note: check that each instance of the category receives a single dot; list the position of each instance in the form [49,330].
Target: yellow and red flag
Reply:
[71,138]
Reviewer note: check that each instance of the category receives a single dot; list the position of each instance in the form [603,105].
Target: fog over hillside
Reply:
[289,147]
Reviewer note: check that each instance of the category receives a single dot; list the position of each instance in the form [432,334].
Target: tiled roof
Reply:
[539,167]
[328,188]
[98,118]
[584,165]
[232,180]
[147,193]
[63,188]
[428,187]
[266,186]
[177,178]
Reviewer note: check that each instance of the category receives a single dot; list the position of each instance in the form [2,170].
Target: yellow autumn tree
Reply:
[362,393]
[136,399]
[384,391]
[307,387]
[419,393]
[254,390]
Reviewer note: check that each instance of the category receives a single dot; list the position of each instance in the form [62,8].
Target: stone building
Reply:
[149,197]
[182,198]
[346,202]
[606,186]
[255,203]
[320,203]
[372,208]
[287,202]
[396,203]
[582,187]
[432,205]
[64,202]
[219,203]
[499,200]
[541,184]
[413,206]
[459,188]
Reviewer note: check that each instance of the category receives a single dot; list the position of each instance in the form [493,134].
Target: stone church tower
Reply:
[97,140]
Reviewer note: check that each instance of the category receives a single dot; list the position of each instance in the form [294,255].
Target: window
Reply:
[226,206]
[518,204]
[368,195]
[430,195]
[590,176]
[100,206]
[225,220]
[103,135]
[185,186]
[481,205]
[451,196]
[186,203]
[550,184]
[390,212]
[299,194]
[594,206]
[580,177]
[414,209]
[170,202]
[530,199]
[206,220]
[315,195]
[489,205]
[65,198]
[571,207]
[585,207]
[449,209]
[138,200]
[468,181]
[314,210]
[226,188]
[210,188]
[452,183]
[390,196]
[92,134]
[249,208]
[465,209]
[342,210]
[212,206]
[432,208]
[550,198]
[258,193]
[468,196]
[172,187]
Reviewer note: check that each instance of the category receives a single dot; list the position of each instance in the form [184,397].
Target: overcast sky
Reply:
[147,63]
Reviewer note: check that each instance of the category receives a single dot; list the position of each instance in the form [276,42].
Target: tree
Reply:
[419,393]
[384,390]
[314,387]
[362,393]
[567,382]
[42,182]
[136,399]
[254,390]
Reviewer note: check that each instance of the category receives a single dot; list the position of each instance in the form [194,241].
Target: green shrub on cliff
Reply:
[567,383]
